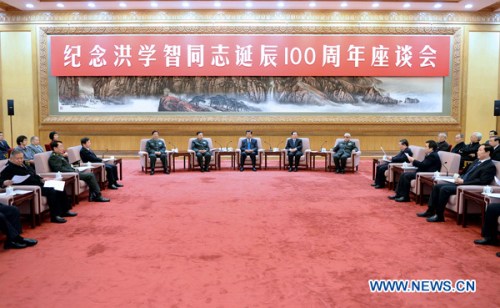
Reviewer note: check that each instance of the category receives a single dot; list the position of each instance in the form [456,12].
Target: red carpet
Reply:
[245,239]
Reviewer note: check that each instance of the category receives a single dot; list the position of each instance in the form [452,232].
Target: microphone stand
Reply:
[227,145]
[321,146]
[220,145]
[278,146]
[444,165]
[270,147]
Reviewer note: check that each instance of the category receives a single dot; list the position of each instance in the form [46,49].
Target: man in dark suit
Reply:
[10,225]
[202,151]
[494,142]
[459,144]
[480,172]
[4,147]
[343,151]
[294,152]
[58,163]
[87,155]
[57,200]
[248,147]
[442,144]
[469,151]
[399,158]
[490,227]
[156,148]
[431,163]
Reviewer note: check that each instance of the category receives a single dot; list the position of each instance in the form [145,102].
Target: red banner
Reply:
[249,55]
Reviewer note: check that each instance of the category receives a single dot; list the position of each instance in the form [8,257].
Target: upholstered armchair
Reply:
[192,154]
[75,159]
[353,161]
[144,157]
[304,159]
[258,158]
[43,169]
[418,154]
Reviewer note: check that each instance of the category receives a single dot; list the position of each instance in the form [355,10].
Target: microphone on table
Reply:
[227,144]
[321,146]
[444,165]
[278,146]
[105,151]
[220,145]
[171,144]
[270,146]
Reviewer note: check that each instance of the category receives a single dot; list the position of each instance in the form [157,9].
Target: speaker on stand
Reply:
[10,112]
[496,108]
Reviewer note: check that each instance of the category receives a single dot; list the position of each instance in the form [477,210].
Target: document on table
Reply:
[57,185]
[449,180]
[17,179]
[492,195]
[82,168]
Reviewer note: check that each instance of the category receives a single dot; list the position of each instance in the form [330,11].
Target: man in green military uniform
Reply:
[58,163]
[156,148]
[343,151]
[202,151]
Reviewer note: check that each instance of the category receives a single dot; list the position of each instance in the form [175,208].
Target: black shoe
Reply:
[202,169]
[373,184]
[69,214]
[112,186]
[254,169]
[207,169]
[241,168]
[402,199]
[290,169]
[99,199]
[435,218]
[498,254]
[58,220]
[342,171]
[378,186]
[486,241]
[14,245]
[337,170]
[393,197]
[118,184]
[166,171]
[152,172]
[29,241]
[424,214]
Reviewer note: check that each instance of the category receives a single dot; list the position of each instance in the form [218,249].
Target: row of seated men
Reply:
[480,172]
[156,148]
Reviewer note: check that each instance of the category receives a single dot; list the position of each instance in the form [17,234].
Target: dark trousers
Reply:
[91,181]
[10,222]
[244,157]
[404,184]
[340,160]
[380,174]
[294,156]
[163,158]
[439,197]
[207,156]
[490,227]
[57,200]
[111,173]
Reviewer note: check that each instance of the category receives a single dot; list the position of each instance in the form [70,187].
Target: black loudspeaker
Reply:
[496,111]
[10,107]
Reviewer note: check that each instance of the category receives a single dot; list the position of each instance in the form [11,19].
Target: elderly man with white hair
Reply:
[442,144]
[343,151]
[469,151]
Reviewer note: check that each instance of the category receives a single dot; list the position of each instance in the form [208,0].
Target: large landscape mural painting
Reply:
[250,94]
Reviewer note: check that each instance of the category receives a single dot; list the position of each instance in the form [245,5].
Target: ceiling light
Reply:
[343,4]
[281,4]
[122,4]
[217,4]
[185,4]
[437,5]
[376,4]
[60,5]
[30,6]
[248,4]
[406,5]
[154,4]
[468,6]
[91,4]
[312,4]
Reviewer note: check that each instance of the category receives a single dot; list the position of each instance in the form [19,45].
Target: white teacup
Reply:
[456,176]
[111,157]
[9,190]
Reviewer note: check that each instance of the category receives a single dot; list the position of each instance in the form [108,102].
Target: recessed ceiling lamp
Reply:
[154,4]
[60,5]
[30,6]
[312,4]
[281,4]
[91,4]
[406,5]
[438,5]
[122,4]
[248,4]
[376,4]
[468,6]
[185,4]
[343,4]
[217,4]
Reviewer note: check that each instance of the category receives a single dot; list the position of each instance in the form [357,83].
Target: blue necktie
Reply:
[472,168]
[248,143]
